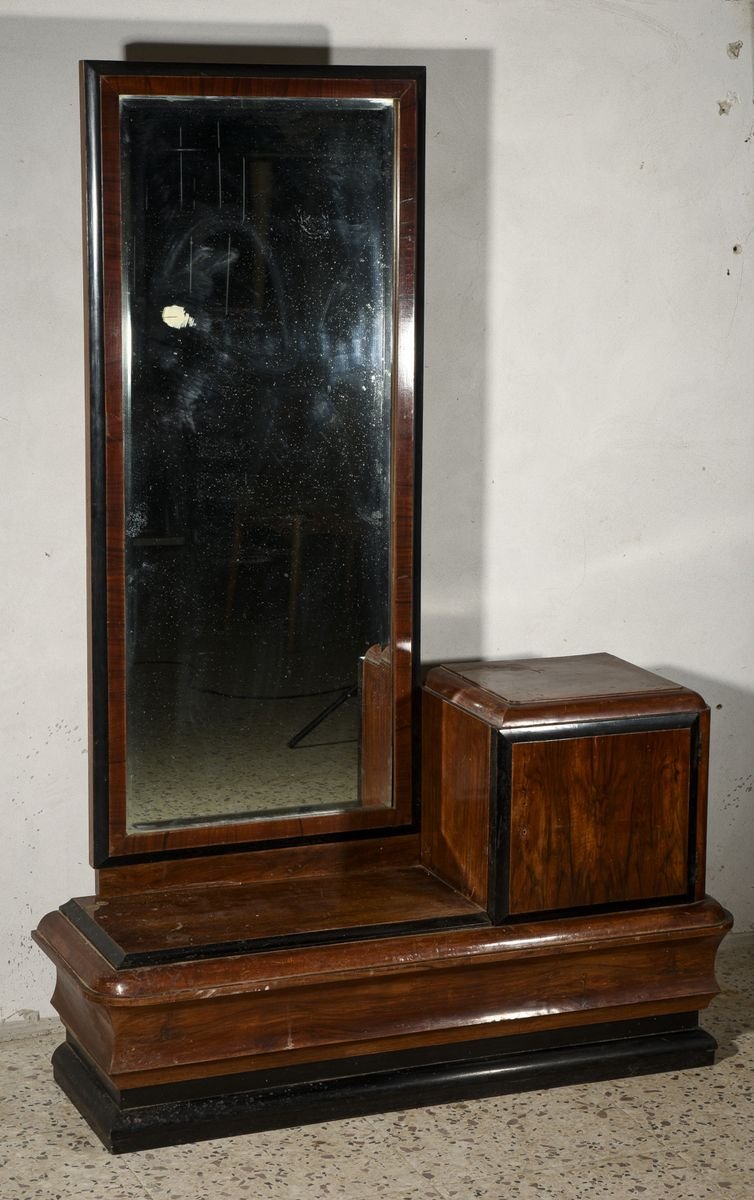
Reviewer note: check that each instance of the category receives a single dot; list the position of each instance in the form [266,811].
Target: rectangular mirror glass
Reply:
[253,253]
[258,254]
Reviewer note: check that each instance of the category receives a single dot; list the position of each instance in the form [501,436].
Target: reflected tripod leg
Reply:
[322,716]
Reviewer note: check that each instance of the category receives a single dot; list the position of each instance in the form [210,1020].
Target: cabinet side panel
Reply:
[456,787]
[599,820]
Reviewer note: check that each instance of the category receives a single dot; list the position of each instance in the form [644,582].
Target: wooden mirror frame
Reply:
[103,84]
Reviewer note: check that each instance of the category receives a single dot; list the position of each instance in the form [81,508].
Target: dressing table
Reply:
[323,889]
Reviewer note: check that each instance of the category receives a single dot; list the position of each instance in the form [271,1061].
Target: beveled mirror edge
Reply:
[110,842]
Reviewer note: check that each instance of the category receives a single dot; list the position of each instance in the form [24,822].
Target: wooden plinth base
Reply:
[259,1035]
[212,1108]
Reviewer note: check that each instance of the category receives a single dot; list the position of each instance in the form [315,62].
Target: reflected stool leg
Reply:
[293,590]
[322,716]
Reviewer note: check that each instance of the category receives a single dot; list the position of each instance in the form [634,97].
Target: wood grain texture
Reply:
[376,751]
[400,1042]
[69,949]
[599,820]
[336,1014]
[194,919]
[114,499]
[255,866]
[545,691]
[369,997]
[568,677]
[109,788]
[602,787]
[406,400]
[456,790]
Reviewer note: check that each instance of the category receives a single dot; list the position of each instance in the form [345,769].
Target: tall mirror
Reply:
[252,260]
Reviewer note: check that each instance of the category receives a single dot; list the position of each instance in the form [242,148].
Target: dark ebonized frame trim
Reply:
[499,866]
[169,1114]
[110,841]
[95,391]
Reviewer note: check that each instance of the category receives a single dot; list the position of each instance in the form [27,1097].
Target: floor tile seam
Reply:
[711,1176]
[568,1161]
[731,1043]
[630,1111]
[520,1139]
[549,1181]
[726,1156]
[667,1159]
[731,992]
[553,1169]
[26,1031]
[146,1192]
[113,1173]
[238,1157]
[549,1186]
[434,1183]
[564,1098]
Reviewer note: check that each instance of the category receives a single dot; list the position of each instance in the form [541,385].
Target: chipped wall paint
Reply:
[587,416]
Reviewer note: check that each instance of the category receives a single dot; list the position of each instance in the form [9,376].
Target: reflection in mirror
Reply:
[258,278]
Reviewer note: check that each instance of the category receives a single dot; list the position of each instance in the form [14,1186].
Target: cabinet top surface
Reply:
[591,686]
[538,680]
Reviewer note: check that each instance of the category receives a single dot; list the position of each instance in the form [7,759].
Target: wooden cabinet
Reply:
[583,779]
[400,994]
[548,926]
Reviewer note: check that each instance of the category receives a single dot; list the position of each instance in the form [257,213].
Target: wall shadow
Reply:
[232,54]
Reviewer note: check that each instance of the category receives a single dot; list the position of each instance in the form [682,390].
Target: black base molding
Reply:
[327,1091]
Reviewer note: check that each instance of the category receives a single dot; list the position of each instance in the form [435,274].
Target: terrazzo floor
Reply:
[231,758]
[685,1135]
[202,750]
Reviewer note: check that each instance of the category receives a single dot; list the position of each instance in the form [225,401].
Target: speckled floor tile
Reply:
[526,1132]
[63,1165]
[736,964]
[315,1161]
[633,1177]
[26,1084]
[729,1018]
[707,1117]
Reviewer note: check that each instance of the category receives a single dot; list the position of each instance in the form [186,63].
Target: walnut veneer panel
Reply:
[376,726]
[258,866]
[456,784]
[179,1020]
[275,911]
[599,820]
[597,784]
